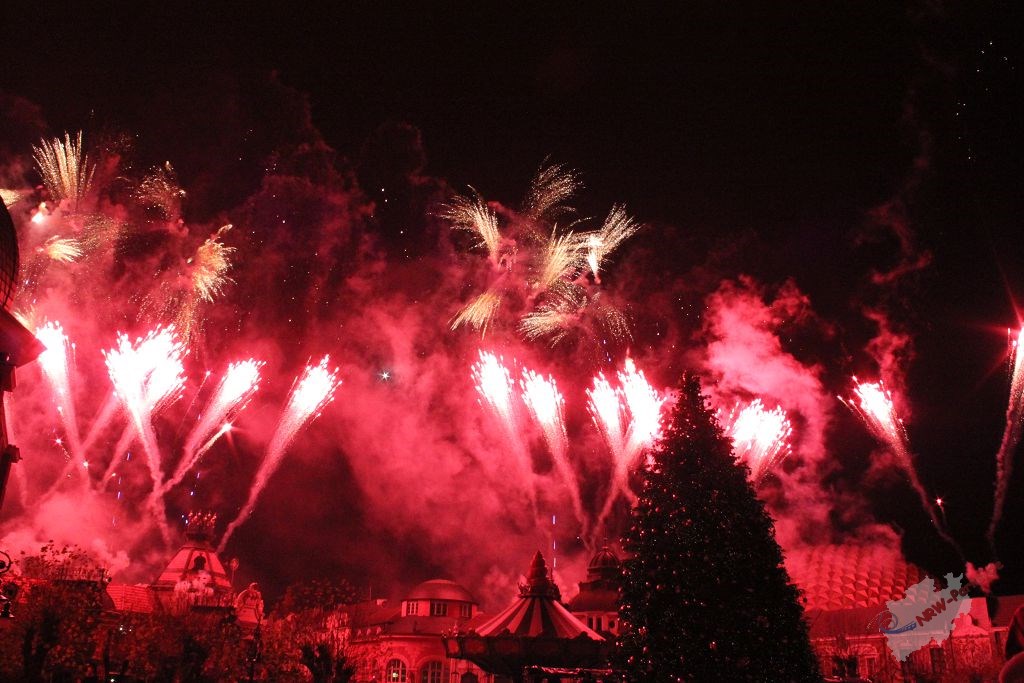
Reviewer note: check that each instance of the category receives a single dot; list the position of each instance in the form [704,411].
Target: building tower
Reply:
[597,603]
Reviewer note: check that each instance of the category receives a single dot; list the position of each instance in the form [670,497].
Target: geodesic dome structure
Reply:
[8,257]
[849,576]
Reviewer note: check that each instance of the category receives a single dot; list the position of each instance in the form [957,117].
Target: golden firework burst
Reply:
[65,168]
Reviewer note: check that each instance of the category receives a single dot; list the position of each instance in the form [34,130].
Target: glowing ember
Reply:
[312,391]
[40,214]
[494,383]
[760,437]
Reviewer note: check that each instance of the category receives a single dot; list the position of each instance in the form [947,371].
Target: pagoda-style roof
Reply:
[535,630]
[196,562]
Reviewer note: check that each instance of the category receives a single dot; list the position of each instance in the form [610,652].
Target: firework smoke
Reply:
[874,406]
[313,390]
[760,437]
[240,382]
[1011,436]
[65,169]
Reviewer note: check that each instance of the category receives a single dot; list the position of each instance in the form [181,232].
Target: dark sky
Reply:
[779,127]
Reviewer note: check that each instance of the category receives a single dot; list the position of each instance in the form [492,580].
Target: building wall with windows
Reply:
[401,643]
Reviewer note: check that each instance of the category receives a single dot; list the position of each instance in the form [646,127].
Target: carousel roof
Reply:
[535,630]
[537,613]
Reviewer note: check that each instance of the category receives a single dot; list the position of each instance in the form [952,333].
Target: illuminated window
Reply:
[431,673]
[396,672]
[465,611]
[411,608]
[438,609]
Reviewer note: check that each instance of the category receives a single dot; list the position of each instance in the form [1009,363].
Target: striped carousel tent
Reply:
[535,630]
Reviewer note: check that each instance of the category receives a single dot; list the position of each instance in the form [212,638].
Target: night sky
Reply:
[750,140]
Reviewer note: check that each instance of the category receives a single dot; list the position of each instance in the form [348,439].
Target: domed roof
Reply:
[604,558]
[848,576]
[440,589]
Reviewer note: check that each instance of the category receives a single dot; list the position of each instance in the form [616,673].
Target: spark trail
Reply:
[146,376]
[494,384]
[55,365]
[546,405]
[609,406]
[496,387]
[313,390]
[238,385]
[874,406]
[1011,436]
[760,437]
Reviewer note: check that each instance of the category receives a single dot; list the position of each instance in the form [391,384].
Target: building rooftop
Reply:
[440,589]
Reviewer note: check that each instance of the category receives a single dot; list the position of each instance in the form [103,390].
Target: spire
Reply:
[538,581]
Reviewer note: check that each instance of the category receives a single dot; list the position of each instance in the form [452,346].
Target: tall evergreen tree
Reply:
[705,596]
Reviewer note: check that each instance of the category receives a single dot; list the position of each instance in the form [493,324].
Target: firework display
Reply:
[1011,433]
[873,403]
[534,284]
[540,268]
[239,383]
[760,436]
[312,391]
[65,168]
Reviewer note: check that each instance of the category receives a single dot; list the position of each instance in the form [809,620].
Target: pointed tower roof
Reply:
[196,559]
[535,630]
[538,612]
